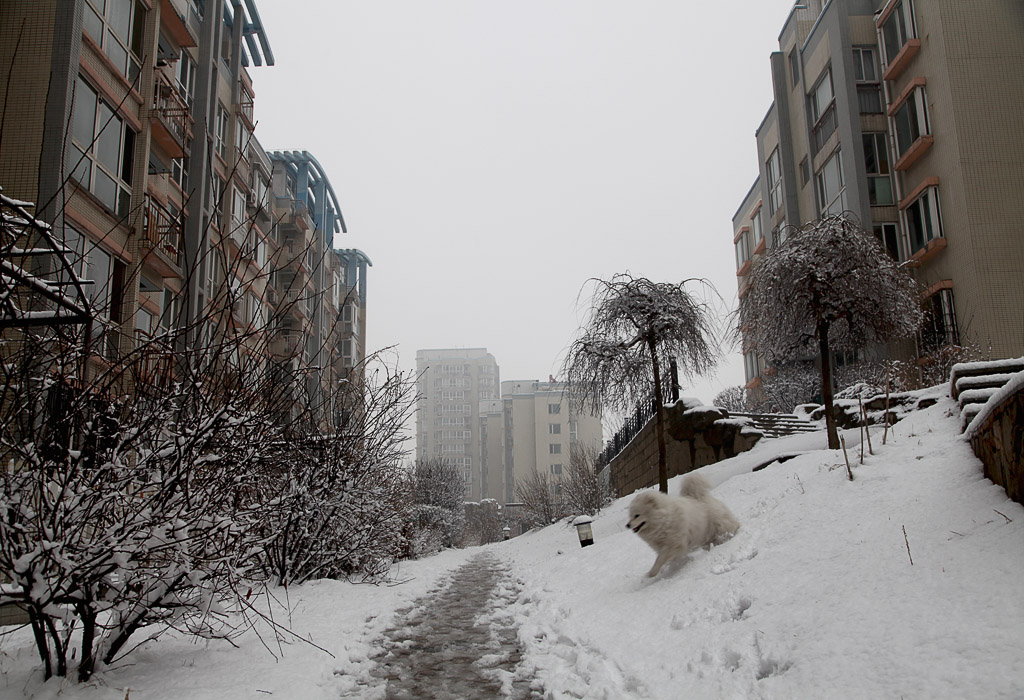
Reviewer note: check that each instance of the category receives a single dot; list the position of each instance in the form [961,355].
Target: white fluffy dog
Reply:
[676,525]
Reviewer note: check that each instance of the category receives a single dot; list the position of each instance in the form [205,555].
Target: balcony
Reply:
[172,121]
[292,213]
[162,232]
[154,364]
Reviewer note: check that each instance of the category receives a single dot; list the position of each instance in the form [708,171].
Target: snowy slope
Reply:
[815,597]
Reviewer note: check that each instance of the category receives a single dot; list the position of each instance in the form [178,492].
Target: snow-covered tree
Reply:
[438,489]
[829,286]
[732,399]
[634,330]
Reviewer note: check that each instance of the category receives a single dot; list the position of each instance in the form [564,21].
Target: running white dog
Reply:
[676,525]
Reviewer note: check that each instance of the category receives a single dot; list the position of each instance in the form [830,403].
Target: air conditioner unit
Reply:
[250,199]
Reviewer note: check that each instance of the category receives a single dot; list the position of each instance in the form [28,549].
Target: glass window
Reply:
[940,328]
[910,121]
[221,135]
[742,249]
[554,408]
[876,162]
[923,222]
[897,29]
[756,233]
[888,237]
[117,27]
[823,111]
[554,428]
[831,190]
[102,150]
[773,168]
[555,449]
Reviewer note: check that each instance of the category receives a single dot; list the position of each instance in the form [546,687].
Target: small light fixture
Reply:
[507,532]
[584,530]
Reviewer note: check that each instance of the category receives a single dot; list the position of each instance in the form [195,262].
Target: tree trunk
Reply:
[659,421]
[826,385]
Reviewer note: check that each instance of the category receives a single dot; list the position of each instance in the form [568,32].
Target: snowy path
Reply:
[455,643]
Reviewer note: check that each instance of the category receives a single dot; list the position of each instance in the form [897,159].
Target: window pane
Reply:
[82,168]
[869,99]
[83,115]
[92,23]
[119,14]
[105,188]
[880,191]
[116,53]
[128,154]
[108,143]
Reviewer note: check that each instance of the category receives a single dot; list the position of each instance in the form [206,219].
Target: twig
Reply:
[862,435]
[842,441]
[908,545]
[1004,515]
[867,429]
[885,433]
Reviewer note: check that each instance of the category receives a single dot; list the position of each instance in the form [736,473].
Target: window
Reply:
[554,428]
[102,150]
[185,76]
[910,121]
[773,168]
[897,29]
[888,237]
[756,234]
[876,162]
[831,189]
[939,329]
[750,366]
[179,173]
[823,111]
[869,94]
[238,217]
[556,469]
[221,134]
[117,27]
[742,248]
[555,449]
[922,220]
[794,66]
[780,233]
[805,172]
[554,408]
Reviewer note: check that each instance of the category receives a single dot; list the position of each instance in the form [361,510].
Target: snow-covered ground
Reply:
[815,597]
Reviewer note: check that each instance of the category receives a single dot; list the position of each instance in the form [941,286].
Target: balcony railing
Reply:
[173,118]
[163,230]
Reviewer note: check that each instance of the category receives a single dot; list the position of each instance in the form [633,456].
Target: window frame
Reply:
[824,119]
[773,176]
[879,154]
[826,199]
[106,124]
[122,51]
[924,207]
[915,124]
[904,28]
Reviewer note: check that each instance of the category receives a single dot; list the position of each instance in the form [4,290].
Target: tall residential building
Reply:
[541,425]
[130,123]
[452,385]
[905,113]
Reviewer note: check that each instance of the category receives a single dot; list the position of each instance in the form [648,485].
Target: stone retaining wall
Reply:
[998,440]
[696,435]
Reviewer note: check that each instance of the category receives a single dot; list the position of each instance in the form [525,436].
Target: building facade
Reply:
[542,425]
[903,113]
[131,124]
[453,384]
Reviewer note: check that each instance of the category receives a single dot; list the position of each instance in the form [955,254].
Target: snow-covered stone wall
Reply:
[696,435]
[997,437]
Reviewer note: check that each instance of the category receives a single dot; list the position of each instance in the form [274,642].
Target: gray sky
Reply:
[490,157]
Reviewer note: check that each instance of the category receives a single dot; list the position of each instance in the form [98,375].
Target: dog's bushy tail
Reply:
[696,486]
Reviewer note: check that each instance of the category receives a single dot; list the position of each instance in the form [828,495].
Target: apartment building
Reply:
[171,206]
[453,383]
[904,113]
[542,425]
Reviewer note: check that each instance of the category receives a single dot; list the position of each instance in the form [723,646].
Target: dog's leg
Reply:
[662,559]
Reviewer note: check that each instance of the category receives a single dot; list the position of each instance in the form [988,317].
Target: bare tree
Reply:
[830,286]
[537,494]
[584,489]
[635,328]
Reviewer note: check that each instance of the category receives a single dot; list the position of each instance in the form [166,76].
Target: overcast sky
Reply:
[490,157]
